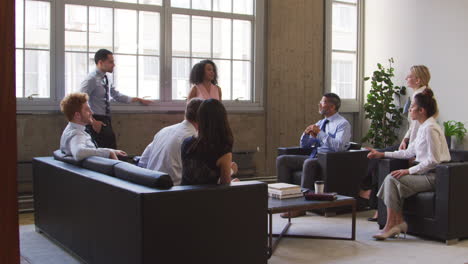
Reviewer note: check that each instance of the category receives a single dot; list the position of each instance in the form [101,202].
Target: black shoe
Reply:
[372,219]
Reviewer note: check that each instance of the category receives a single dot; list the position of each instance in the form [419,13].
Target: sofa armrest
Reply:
[452,197]
[388,165]
[458,155]
[343,171]
[294,151]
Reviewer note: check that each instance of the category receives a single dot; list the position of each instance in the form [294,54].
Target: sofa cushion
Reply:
[420,204]
[135,174]
[59,155]
[100,164]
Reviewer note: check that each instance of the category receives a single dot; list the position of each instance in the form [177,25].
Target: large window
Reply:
[155,44]
[343,42]
[33,49]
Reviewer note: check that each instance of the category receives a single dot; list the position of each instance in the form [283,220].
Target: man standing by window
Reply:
[97,86]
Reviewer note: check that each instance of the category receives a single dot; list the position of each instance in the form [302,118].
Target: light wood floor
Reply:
[26,219]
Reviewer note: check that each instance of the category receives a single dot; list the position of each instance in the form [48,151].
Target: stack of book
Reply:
[284,190]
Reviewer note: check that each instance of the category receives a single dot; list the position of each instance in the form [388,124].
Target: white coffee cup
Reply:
[319,186]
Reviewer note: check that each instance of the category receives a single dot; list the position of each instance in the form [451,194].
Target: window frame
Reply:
[347,105]
[164,104]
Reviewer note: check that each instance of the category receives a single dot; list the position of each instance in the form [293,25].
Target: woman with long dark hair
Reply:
[429,148]
[207,158]
[204,78]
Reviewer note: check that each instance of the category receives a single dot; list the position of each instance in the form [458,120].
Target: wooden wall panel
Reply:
[9,241]
[294,71]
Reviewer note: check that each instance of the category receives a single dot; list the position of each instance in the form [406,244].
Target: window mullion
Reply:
[138,55]
[166,62]
[24,49]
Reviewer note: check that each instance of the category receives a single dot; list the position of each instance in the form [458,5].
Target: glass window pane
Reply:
[243,7]
[349,1]
[180,78]
[344,75]
[222,6]
[37,73]
[180,35]
[344,27]
[149,33]
[241,80]
[201,4]
[37,24]
[91,63]
[127,1]
[201,36]
[222,38]
[76,70]
[19,73]
[125,74]
[180,3]
[151,2]
[242,39]
[148,77]
[100,28]
[125,31]
[224,77]
[19,19]
[76,18]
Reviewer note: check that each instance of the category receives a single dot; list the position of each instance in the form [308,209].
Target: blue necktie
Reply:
[322,128]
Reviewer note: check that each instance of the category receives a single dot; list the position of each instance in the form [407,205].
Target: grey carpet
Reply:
[37,249]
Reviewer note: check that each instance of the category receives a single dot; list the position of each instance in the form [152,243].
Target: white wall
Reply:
[429,32]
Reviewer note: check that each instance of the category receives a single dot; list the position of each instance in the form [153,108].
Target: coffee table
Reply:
[276,206]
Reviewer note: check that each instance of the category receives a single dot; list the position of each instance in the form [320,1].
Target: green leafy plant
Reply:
[385,116]
[454,128]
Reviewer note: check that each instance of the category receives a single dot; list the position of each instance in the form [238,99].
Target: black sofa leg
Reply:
[450,242]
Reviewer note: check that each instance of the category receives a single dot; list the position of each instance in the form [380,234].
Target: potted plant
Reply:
[385,116]
[454,128]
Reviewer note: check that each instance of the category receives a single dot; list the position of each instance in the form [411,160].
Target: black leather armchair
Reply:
[341,171]
[440,214]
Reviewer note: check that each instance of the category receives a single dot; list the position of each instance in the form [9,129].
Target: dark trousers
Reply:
[371,181]
[105,138]
[286,165]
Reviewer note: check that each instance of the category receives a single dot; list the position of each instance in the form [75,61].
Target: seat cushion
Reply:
[421,204]
[135,174]
[59,155]
[100,164]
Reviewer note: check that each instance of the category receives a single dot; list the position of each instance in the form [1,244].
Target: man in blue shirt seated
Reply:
[75,140]
[331,134]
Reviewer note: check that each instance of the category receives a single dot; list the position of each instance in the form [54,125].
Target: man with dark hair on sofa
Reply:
[100,92]
[331,134]
[75,141]
[163,153]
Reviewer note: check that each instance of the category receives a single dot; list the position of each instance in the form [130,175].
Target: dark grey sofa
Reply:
[439,214]
[103,219]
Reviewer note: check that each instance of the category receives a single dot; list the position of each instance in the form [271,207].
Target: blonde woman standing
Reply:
[417,79]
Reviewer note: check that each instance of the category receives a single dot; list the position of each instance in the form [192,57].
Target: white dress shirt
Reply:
[335,138]
[430,148]
[413,124]
[164,152]
[76,142]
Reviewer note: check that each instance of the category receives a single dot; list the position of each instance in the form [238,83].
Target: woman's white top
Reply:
[430,148]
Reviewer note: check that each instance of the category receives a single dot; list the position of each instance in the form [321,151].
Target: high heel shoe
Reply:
[394,231]
[403,228]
